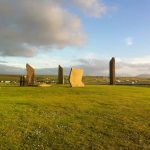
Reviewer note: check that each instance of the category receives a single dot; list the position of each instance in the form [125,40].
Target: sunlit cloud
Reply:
[92,8]
[29,27]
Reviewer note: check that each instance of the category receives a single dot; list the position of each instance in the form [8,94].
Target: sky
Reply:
[75,33]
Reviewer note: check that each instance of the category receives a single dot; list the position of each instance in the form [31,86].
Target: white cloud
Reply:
[129,41]
[93,8]
[27,26]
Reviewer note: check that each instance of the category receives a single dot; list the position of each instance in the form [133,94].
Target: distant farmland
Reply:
[89,80]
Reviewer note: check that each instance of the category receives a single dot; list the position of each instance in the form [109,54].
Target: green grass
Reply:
[64,118]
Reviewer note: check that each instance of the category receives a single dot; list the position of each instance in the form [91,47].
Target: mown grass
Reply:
[64,118]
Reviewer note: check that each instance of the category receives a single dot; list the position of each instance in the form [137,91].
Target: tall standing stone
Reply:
[112,71]
[60,75]
[30,75]
[75,77]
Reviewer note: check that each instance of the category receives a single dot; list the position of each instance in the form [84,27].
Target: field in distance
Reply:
[88,80]
[59,117]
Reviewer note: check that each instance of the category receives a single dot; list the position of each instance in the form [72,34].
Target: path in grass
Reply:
[59,117]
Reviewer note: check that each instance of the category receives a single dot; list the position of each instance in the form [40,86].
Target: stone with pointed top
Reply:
[112,71]
[75,77]
[30,75]
[60,75]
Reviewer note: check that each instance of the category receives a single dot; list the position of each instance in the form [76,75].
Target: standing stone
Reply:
[112,71]
[22,80]
[75,77]
[60,75]
[30,75]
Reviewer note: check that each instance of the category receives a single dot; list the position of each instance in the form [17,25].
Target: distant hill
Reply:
[143,76]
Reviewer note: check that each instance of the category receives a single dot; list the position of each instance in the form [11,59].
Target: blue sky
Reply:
[108,35]
[93,31]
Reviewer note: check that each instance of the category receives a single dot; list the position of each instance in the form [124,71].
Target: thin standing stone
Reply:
[112,71]
[60,75]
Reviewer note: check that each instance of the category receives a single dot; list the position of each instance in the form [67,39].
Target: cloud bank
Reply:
[27,27]
[94,67]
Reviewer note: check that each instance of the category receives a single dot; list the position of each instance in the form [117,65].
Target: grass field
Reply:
[64,118]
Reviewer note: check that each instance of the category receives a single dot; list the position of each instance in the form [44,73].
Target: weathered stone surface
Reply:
[75,77]
[60,75]
[30,75]
[112,71]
